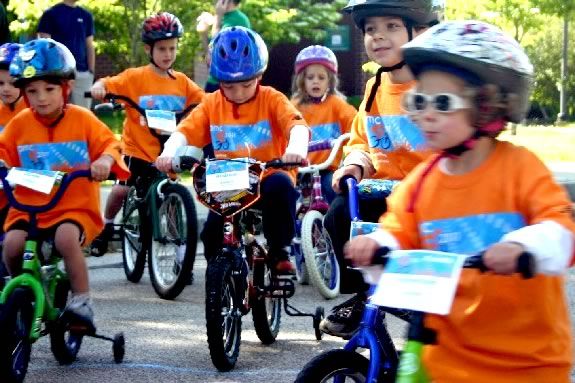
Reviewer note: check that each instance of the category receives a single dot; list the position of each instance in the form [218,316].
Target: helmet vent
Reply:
[246,51]
[234,45]
[223,53]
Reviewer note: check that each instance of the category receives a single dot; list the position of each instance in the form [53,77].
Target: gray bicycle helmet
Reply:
[417,12]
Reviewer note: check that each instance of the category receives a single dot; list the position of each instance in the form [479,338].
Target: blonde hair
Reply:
[300,96]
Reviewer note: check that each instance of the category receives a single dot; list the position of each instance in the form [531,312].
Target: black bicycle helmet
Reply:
[417,12]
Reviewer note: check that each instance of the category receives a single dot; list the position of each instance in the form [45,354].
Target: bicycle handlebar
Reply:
[525,263]
[35,209]
[113,97]
[185,162]
[334,145]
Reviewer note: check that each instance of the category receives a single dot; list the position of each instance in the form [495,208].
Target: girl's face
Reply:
[8,93]
[164,53]
[449,128]
[45,98]
[383,38]
[240,92]
[316,80]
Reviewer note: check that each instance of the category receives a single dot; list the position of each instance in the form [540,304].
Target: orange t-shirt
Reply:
[6,114]
[150,91]
[394,143]
[501,328]
[74,143]
[257,129]
[327,120]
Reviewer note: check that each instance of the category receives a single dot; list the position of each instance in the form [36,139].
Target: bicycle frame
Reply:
[42,280]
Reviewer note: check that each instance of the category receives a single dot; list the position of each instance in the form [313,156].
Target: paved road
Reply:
[166,340]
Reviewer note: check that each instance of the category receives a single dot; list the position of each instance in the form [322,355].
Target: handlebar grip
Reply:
[344,185]
[315,146]
[182,163]
[525,264]
[380,256]
[88,94]
[280,164]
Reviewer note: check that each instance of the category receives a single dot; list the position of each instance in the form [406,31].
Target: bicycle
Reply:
[159,222]
[239,278]
[312,249]
[32,302]
[385,363]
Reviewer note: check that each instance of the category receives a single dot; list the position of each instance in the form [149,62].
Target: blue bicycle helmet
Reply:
[42,58]
[7,53]
[238,54]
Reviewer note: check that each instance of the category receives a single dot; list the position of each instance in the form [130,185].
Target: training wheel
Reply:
[317,317]
[119,347]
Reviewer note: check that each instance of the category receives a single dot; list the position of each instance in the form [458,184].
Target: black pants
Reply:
[277,203]
[337,222]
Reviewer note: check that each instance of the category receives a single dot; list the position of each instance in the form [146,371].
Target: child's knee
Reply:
[67,238]
[13,244]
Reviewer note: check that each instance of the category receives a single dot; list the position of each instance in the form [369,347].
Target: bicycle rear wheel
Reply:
[173,251]
[15,327]
[319,254]
[64,344]
[223,316]
[266,310]
[134,240]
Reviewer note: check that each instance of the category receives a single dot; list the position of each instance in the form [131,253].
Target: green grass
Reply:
[114,120]
[550,143]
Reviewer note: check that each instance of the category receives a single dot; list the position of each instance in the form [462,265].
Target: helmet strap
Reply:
[12,105]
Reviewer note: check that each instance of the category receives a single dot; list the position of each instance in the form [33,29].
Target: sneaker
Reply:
[344,319]
[79,313]
[99,245]
[280,261]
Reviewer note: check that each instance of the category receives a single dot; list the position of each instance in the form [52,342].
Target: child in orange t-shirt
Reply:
[482,194]
[53,135]
[384,144]
[315,94]
[244,119]
[154,86]
[10,106]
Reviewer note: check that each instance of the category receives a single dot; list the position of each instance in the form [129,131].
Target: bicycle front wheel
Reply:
[223,316]
[15,326]
[335,365]
[266,310]
[173,249]
[134,240]
[319,254]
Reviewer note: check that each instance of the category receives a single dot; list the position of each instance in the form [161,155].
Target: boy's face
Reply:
[240,92]
[383,38]
[443,130]
[316,80]
[8,93]
[164,53]
[45,98]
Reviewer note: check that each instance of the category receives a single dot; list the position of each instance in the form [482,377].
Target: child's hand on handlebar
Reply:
[293,157]
[352,170]
[360,250]
[501,258]
[100,168]
[164,164]
[98,90]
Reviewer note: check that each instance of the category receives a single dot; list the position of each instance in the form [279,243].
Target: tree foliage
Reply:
[118,23]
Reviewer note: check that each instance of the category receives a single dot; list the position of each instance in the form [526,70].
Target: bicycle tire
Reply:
[178,227]
[15,326]
[224,333]
[266,311]
[134,240]
[64,345]
[320,259]
[335,363]
[301,273]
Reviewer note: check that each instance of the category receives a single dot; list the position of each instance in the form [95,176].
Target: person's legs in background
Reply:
[82,84]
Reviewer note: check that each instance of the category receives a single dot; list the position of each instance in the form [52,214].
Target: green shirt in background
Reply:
[235,18]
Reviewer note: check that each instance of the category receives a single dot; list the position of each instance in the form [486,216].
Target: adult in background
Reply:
[73,26]
[4,24]
[227,14]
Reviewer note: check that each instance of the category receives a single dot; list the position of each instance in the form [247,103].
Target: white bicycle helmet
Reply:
[480,49]
[316,54]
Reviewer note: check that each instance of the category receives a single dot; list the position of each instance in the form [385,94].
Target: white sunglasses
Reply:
[415,102]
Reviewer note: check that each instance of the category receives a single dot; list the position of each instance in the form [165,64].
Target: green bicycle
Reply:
[31,303]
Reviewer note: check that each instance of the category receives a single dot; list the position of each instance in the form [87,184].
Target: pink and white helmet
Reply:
[316,54]
[480,49]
